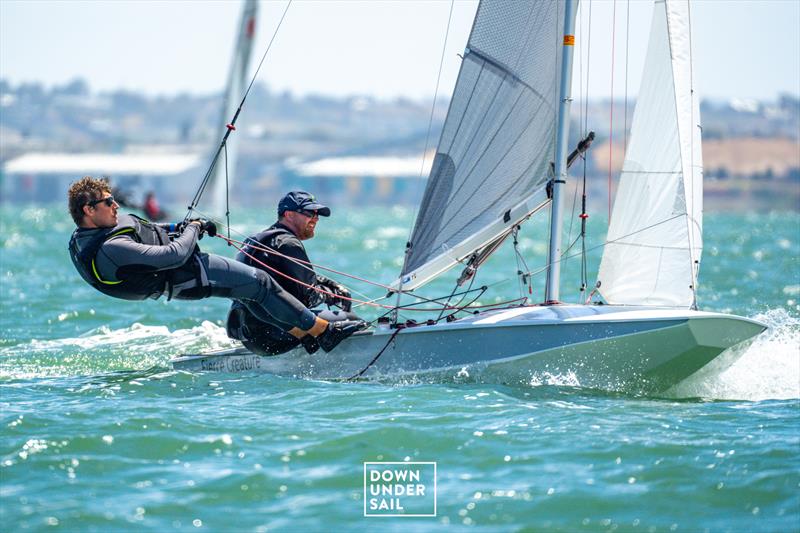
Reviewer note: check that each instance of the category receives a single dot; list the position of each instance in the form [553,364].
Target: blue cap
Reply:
[302,201]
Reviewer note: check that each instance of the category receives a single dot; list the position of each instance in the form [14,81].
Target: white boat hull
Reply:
[607,347]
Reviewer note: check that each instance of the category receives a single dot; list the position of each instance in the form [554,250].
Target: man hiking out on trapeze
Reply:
[280,248]
[127,257]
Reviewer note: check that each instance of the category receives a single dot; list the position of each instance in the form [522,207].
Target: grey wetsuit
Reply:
[193,274]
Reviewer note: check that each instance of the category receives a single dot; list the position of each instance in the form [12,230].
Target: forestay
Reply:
[654,239]
[494,154]
[237,83]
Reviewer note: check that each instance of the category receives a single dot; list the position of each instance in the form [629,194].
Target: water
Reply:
[99,433]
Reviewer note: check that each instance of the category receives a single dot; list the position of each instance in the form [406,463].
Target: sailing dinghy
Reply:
[504,139]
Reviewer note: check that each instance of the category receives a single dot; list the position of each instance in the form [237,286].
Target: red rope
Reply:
[265,248]
[235,244]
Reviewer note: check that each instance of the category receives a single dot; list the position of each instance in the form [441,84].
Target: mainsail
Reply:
[493,158]
[654,241]
[237,82]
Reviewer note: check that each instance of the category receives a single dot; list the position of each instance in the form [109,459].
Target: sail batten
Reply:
[498,139]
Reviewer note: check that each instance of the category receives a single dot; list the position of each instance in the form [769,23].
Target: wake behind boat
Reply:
[501,159]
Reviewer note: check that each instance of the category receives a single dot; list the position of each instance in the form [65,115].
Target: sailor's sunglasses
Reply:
[109,201]
[309,214]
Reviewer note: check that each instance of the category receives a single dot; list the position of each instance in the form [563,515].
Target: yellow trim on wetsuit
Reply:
[94,268]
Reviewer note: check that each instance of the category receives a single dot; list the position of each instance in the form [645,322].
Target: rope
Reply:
[436,90]
[310,266]
[611,113]
[563,258]
[691,216]
[361,372]
[232,126]
[427,140]
[363,302]
[227,190]
[306,264]
[627,49]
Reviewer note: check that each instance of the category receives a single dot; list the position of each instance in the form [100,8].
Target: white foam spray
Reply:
[133,348]
[769,368]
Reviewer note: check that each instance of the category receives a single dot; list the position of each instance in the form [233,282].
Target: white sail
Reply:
[498,140]
[654,242]
[237,82]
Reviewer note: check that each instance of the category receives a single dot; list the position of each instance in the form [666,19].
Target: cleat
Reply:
[336,332]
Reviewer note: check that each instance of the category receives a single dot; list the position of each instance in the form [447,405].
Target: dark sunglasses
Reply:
[309,214]
[109,201]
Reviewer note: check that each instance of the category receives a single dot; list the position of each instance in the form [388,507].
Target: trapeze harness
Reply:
[136,281]
[239,317]
[264,237]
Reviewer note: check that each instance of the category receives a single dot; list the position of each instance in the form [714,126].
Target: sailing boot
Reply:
[336,332]
[310,343]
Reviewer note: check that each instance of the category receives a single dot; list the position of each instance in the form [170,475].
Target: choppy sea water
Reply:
[99,433]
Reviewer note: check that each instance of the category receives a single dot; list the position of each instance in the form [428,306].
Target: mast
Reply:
[225,170]
[562,133]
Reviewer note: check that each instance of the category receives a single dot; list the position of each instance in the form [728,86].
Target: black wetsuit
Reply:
[137,260]
[245,326]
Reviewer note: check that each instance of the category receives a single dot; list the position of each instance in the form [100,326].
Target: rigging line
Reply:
[613,241]
[627,50]
[425,150]
[516,258]
[227,191]
[588,69]
[580,69]
[584,219]
[521,258]
[304,264]
[316,289]
[572,215]
[322,291]
[435,96]
[436,90]
[377,356]
[373,300]
[564,253]
[693,128]
[454,313]
[455,288]
[611,112]
[307,265]
[232,126]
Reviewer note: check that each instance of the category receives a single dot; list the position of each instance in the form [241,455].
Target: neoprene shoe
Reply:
[310,344]
[336,332]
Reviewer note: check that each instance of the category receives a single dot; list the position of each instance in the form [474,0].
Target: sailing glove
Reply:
[206,226]
[339,291]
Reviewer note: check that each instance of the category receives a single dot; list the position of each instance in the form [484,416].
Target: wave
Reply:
[102,350]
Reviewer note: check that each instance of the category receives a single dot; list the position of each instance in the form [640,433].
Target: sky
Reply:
[748,49]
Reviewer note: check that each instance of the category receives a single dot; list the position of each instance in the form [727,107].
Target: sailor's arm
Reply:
[123,251]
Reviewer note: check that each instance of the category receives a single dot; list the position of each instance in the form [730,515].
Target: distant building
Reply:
[360,180]
[45,177]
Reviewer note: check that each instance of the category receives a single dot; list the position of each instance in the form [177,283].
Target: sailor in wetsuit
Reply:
[298,214]
[127,257]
